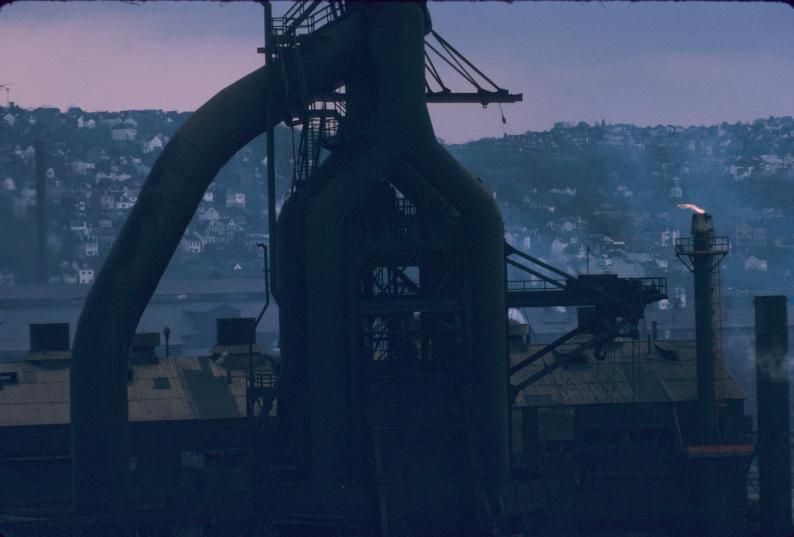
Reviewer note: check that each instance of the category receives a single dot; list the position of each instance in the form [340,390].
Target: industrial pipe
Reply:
[151,234]
[702,263]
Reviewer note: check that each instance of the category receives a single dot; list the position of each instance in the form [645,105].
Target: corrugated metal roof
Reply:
[176,388]
[629,374]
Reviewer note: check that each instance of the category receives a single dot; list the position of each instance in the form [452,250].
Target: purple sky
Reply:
[644,63]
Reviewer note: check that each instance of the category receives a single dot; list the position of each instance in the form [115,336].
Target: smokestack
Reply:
[702,265]
[702,254]
[774,443]
[42,269]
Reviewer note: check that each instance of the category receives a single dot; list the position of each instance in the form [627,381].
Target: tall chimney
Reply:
[774,443]
[42,270]
[702,265]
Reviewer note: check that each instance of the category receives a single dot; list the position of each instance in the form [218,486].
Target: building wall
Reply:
[171,461]
[620,466]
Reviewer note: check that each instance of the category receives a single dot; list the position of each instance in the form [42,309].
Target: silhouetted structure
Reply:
[774,428]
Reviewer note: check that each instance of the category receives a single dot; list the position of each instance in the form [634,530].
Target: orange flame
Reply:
[693,207]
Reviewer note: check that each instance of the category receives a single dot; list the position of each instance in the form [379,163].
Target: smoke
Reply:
[774,365]
[692,207]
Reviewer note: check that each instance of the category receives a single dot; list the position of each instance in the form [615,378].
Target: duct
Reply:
[774,442]
[392,100]
[129,276]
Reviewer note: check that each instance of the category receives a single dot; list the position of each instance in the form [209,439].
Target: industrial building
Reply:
[402,402]
[190,430]
[603,445]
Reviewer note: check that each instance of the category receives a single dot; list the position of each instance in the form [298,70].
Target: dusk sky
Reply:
[643,63]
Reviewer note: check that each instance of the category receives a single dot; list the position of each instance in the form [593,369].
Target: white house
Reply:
[79,226]
[235,200]
[753,263]
[155,144]
[111,122]
[669,237]
[194,243]
[81,168]
[123,135]
[91,249]
[210,215]
[676,192]
[86,276]
[82,124]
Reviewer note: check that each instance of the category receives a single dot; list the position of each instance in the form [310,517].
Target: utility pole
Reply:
[269,51]
[7,87]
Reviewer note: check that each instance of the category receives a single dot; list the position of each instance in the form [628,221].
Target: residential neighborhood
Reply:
[585,197]
[96,164]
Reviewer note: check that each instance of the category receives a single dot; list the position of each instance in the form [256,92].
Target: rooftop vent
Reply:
[238,331]
[142,348]
[49,337]
[236,343]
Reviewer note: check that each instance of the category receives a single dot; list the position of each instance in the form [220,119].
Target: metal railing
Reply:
[657,285]
[259,379]
[534,284]
[716,246]
[305,17]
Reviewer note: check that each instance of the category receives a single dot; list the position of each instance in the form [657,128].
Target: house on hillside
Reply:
[755,264]
[85,276]
[193,243]
[123,135]
[209,215]
[235,200]
[155,144]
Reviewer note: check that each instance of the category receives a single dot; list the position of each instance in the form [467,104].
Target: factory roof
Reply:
[183,388]
[632,372]
[188,308]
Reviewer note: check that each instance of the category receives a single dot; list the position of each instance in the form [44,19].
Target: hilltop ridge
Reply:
[577,193]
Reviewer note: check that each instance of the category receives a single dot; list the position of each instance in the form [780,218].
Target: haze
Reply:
[641,63]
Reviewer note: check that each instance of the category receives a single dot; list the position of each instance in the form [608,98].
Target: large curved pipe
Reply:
[129,276]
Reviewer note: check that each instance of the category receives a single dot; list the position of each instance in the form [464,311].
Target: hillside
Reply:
[576,194]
